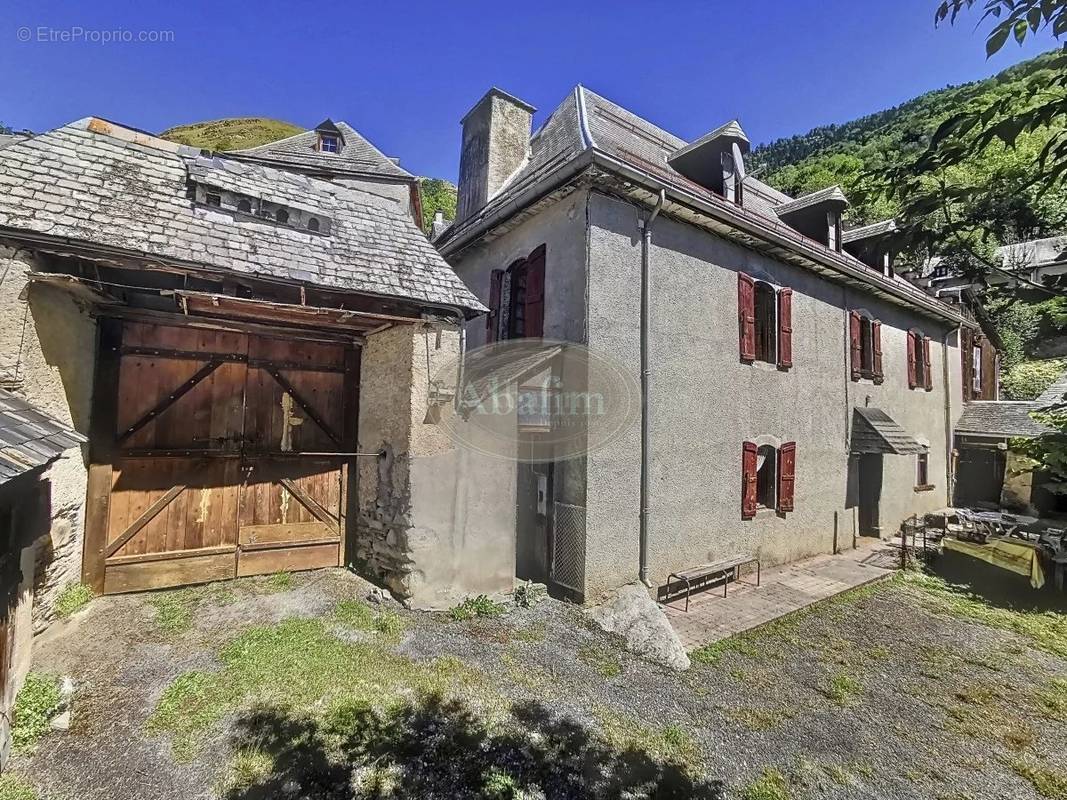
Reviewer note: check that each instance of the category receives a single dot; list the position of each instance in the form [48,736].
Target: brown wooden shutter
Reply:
[535,294]
[912,379]
[785,328]
[926,365]
[876,351]
[746,316]
[492,319]
[748,480]
[854,323]
[787,470]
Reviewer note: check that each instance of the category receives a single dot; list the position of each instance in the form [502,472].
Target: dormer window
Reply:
[833,235]
[329,143]
[313,225]
[715,161]
[244,205]
[213,199]
[817,216]
[282,216]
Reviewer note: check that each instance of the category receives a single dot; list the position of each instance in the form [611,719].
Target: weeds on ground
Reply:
[757,719]
[600,659]
[531,633]
[1046,630]
[480,606]
[1047,781]
[671,743]
[360,616]
[12,787]
[296,663]
[841,688]
[771,785]
[1052,699]
[280,582]
[978,711]
[72,600]
[500,785]
[36,704]
[250,765]
[529,594]
[174,613]
[389,623]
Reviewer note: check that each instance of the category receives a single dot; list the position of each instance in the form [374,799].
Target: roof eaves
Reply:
[831,194]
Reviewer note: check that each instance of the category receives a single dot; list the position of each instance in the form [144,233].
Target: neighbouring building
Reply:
[33,449]
[799,393]
[247,350]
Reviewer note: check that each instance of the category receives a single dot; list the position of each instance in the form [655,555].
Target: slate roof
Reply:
[1053,395]
[869,231]
[831,194]
[874,431]
[101,184]
[730,130]
[29,438]
[358,156]
[1004,418]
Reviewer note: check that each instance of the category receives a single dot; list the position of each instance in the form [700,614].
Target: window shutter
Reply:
[787,470]
[876,351]
[746,315]
[854,323]
[748,480]
[926,365]
[535,294]
[492,319]
[785,328]
[912,380]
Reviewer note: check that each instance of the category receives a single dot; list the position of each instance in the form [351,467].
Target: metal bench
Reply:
[705,572]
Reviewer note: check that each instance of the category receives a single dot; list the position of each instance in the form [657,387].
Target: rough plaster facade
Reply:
[496,142]
[436,520]
[47,354]
[705,402]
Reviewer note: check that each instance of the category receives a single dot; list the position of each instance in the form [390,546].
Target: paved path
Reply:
[712,617]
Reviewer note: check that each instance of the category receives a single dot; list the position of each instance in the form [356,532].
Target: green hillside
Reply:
[841,153]
[231,134]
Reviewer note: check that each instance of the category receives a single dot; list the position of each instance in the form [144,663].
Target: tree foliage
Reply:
[437,195]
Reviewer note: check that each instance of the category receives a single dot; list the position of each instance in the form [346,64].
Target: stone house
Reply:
[798,393]
[247,350]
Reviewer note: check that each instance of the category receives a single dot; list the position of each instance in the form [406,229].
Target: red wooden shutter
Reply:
[926,364]
[746,316]
[787,470]
[876,351]
[912,381]
[535,294]
[785,328]
[748,480]
[854,323]
[492,319]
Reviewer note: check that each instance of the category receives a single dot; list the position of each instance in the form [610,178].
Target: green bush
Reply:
[36,704]
[1025,381]
[480,606]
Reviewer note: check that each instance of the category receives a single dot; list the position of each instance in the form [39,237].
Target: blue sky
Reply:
[404,73]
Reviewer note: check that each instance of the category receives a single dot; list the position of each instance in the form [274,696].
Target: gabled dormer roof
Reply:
[720,138]
[830,197]
[873,231]
[357,157]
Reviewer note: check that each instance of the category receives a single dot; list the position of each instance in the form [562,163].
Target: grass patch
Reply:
[12,787]
[280,582]
[1046,630]
[250,765]
[480,606]
[36,704]
[841,688]
[72,600]
[174,612]
[361,617]
[757,719]
[670,743]
[389,623]
[600,659]
[530,633]
[978,711]
[770,785]
[1052,699]
[1048,782]
[296,664]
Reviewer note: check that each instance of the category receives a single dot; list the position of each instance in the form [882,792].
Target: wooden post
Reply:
[103,424]
[350,470]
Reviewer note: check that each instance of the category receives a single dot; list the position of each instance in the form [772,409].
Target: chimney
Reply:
[496,141]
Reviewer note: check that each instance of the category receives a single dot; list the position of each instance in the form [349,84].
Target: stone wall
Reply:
[47,355]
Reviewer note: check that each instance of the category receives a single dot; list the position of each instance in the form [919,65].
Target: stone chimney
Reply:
[496,141]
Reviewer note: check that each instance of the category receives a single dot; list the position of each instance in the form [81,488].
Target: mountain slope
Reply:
[842,153]
[231,134]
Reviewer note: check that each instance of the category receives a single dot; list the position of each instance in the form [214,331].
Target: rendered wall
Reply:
[47,355]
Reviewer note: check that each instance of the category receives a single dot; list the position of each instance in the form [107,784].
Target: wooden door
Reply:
[211,476]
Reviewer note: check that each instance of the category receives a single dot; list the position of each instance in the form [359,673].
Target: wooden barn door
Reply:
[224,459]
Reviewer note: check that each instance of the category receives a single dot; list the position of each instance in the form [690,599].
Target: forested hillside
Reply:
[843,153]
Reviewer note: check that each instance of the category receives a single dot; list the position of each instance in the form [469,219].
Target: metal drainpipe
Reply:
[646,245]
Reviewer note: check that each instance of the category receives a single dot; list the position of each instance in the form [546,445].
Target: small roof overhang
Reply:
[1004,419]
[875,230]
[874,431]
[701,160]
[829,199]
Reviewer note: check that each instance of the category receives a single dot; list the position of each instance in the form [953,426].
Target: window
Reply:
[976,367]
[313,224]
[766,465]
[517,299]
[865,340]
[329,143]
[919,373]
[213,199]
[768,477]
[765,319]
[922,471]
[833,225]
[244,205]
[282,216]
